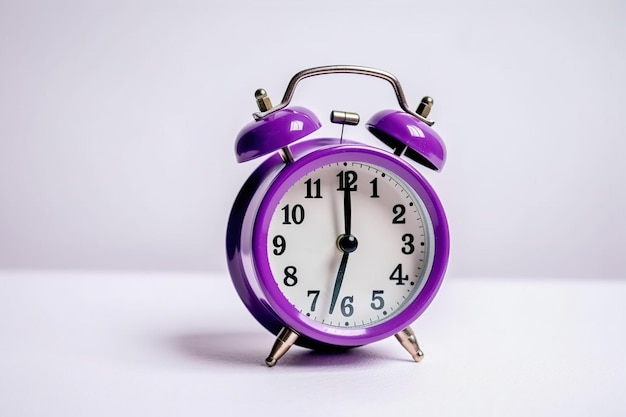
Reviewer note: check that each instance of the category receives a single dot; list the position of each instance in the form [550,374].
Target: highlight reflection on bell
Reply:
[275,131]
[407,135]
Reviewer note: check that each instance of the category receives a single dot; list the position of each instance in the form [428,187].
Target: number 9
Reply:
[279,245]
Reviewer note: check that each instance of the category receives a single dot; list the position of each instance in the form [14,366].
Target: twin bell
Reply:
[406,132]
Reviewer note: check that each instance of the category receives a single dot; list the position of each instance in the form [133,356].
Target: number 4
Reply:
[397,275]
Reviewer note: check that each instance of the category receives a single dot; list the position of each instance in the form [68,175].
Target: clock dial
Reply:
[349,244]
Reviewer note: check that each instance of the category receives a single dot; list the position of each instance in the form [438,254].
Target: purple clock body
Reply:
[248,225]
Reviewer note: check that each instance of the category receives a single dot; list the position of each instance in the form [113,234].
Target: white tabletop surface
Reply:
[178,344]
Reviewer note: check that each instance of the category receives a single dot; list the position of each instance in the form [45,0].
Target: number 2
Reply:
[399,211]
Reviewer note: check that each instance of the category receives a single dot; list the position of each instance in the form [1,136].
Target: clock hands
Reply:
[346,242]
[347,210]
[338,281]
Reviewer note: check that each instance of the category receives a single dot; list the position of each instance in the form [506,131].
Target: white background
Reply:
[118,120]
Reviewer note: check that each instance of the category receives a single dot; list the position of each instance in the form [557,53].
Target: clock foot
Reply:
[286,338]
[407,339]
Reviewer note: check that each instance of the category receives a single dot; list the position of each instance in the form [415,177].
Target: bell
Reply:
[275,131]
[407,135]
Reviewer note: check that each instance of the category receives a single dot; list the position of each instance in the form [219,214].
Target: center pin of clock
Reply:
[347,243]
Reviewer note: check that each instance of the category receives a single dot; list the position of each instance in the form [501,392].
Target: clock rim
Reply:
[274,297]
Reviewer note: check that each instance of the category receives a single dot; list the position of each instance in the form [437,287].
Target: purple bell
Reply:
[403,132]
[275,131]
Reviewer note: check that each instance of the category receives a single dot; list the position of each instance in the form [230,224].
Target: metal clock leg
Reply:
[286,338]
[407,339]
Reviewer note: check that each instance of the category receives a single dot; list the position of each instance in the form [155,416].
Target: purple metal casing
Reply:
[246,242]
[397,128]
[277,130]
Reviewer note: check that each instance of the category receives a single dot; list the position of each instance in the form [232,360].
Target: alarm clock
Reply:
[332,243]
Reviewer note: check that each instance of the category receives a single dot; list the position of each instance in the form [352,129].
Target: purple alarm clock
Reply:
[332,243]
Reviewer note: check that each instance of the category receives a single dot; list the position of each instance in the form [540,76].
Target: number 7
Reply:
[315,294]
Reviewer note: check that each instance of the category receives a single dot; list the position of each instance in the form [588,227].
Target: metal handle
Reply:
[343,69]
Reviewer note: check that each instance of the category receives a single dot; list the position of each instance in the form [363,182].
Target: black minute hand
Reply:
[346,243]
[347,210]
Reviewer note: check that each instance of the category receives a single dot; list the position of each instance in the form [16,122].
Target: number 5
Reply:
[377,301]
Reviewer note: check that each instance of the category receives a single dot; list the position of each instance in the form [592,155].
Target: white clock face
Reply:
[349,244]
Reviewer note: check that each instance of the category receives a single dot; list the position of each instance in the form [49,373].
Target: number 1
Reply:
[374,183]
